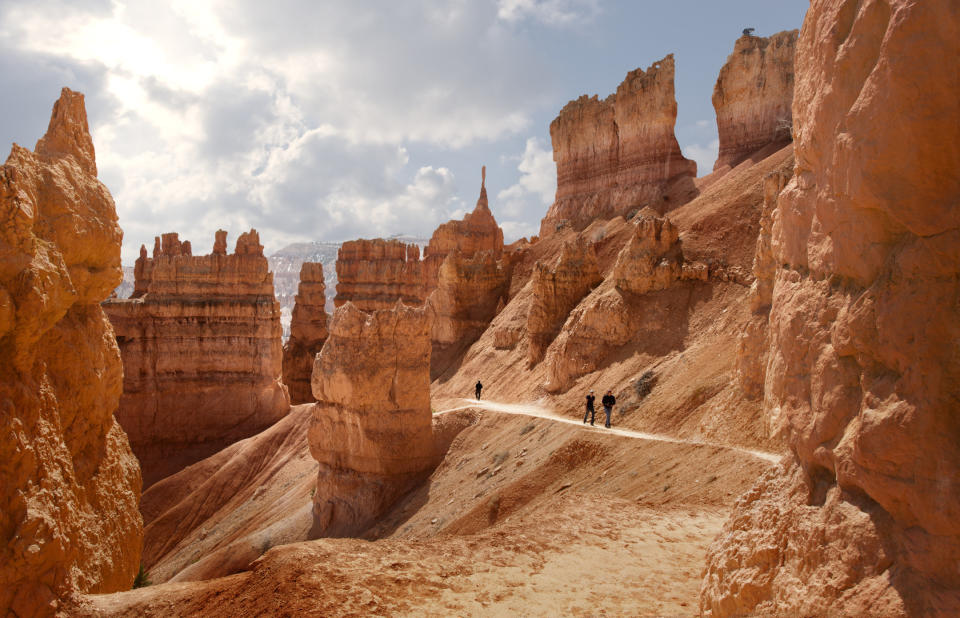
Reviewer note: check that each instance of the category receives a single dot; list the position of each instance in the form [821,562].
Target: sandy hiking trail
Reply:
[539,411]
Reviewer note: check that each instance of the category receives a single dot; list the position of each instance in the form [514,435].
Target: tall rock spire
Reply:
[68,133]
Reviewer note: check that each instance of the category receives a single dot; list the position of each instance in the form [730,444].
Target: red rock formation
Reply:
[201,354]
[470,290]
[752,345]
[619,154]
[862,377]
[70,485]
[371,429]
[753,95]
[375,274]
[308,331]
[652,259]
[556,291]
[478,231]
[617,312]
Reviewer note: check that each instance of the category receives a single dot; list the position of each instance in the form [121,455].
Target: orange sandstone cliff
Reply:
[862,377]
[753,96]
[69,484]
[468,274]
[557,290]
[371,429]
[375,274]
[308,331]
[619,154]
[201,353]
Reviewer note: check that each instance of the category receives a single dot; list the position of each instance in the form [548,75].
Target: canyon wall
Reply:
[371,428]
[557,290]
[375,274]
[201,352]
[619,154]
[308,331]
[753,96]
[862,376]
[70,489]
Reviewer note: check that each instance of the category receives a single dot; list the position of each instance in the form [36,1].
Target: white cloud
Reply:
[704,155]
[536,186]
[515,230]
[550,12]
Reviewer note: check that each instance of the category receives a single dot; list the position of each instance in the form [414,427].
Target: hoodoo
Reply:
[469,276]
[371,430]
[753,96]
[862,377]
[619,154]
[308,331]
[201,352]
[69,484]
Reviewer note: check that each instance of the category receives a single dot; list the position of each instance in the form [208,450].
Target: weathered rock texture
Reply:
[69,484]
[201,353]
[556,291]
[863,376]
[477,232]
[618,154]
[652,259]
[468,275]
[753,96]
[753,342]
[375,274]
[611,316]
[371,429]
[308,331]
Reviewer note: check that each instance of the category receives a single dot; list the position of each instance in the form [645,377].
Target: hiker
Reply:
[479,388]
[590,412]
[608,402]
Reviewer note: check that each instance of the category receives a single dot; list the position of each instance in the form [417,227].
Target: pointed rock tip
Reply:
[68,132]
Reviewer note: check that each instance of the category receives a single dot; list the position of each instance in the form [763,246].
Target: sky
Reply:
[312,120]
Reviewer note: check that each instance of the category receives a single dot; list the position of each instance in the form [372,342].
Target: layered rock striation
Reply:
[618,154]
[557,289]
[862,376]
[70,488]
[476,232]
[308,332]
[201,353]
[753,97]
[468,275]
[371,429]
[375,274]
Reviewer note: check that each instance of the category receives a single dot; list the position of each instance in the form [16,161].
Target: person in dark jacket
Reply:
[478,388]
[590,411]
[608,402]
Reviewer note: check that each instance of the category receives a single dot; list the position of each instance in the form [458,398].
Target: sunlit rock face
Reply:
[371,430]
[862,376]
[201,352]
[753,96]
[619,154]
[476,232]
[468,276]
[557,288]
[308,332]
[375,274]
[69,484]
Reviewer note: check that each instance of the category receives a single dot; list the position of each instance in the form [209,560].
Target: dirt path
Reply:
[538,411]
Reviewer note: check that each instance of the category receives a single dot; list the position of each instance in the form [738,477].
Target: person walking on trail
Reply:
[590,411]
[478,388]
[608,402]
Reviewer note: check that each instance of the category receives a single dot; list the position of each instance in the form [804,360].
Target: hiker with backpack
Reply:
[478,388]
